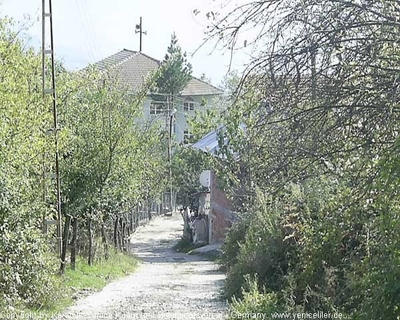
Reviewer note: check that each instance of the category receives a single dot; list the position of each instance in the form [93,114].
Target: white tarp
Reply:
[209,143]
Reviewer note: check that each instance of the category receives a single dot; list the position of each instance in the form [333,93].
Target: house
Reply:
[132,68]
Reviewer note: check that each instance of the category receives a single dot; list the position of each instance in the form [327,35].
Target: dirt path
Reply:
[167,284]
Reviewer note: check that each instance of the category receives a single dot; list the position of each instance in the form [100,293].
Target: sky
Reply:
[86,31]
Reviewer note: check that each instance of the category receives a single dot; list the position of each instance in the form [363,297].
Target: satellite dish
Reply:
[205,178]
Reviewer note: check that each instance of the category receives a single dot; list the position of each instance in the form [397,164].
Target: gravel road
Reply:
[166,285]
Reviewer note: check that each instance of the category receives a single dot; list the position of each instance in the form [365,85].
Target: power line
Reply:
[85,44]
[88,44]
[91,28]
[87,30]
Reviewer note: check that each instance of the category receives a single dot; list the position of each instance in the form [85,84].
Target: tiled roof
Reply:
[133,67]
[197,87]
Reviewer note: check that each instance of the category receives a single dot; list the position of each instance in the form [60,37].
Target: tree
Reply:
[109,163]
[175,71]
[188,163]
[174,75]
[26,264]
[109,160]
[320,102]
[323,91]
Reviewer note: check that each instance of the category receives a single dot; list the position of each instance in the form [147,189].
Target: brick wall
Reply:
[221,213]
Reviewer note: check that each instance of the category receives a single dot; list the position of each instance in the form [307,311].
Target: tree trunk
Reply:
[149,209]
[90,255]
[122,233]
[73,242]
[131,217]
[64,246]
[186,226]
[137,217]
[116,233]
[104,240]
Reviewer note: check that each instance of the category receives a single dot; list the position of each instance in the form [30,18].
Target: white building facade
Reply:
[133,68]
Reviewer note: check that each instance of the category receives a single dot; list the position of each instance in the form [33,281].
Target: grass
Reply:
[97,276]
[76,283]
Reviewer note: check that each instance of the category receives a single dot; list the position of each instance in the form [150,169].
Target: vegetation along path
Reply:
[167,284]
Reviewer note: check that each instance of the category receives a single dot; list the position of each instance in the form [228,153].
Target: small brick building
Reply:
[217,207]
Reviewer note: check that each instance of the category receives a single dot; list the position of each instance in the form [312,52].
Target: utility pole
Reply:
[171,113]
[141,32]
[52,91]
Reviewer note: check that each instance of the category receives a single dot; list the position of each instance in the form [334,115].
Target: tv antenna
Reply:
[139,30]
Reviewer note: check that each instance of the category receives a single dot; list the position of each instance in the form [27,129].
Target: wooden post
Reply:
[90,235]
[73,242]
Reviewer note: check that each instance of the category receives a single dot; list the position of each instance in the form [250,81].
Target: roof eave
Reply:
[200,94]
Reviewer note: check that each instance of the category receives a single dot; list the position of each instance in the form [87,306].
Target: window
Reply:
[188,105]
[157,107]
[187,136]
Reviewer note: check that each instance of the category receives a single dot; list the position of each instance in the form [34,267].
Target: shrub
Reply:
[253,302]
[27,270]
[256,247]
[234,238]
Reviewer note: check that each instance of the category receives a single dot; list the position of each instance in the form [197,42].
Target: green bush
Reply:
[234,238]
[338,256]
[255,246]
[253,302]
[27,270]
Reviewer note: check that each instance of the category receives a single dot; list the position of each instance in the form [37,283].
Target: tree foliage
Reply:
[110,166]
[188,163]
[320,102]
[112,163]
[175,70]
[24,263]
